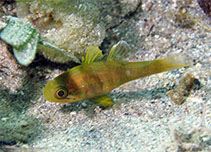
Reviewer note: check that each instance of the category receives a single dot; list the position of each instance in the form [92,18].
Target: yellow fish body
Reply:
[94,79]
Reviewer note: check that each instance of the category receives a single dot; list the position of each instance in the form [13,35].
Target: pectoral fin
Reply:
[102,101]
[119,52]
[93,54]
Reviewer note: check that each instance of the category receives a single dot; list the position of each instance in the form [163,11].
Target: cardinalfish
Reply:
[95,78]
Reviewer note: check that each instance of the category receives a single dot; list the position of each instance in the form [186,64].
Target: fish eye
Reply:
[61,93]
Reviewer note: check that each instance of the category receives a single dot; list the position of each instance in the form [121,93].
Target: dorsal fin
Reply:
[119,52]
[93,54]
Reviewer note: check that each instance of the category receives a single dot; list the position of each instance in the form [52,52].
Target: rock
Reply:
[206,6]
[11,73]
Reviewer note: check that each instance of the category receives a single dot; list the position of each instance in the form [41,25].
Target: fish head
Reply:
[58,92]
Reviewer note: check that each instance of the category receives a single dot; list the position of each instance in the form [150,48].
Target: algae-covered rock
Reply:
[15,125]
[70,25]
[18,129]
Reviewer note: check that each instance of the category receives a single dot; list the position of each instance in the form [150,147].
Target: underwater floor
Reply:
[145,116]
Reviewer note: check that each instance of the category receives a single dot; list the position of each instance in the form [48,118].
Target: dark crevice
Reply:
[110,36]
[126,17]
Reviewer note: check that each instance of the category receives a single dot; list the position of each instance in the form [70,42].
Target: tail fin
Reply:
[146,68]
[176,61]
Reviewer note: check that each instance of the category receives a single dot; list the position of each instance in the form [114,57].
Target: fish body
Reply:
[93,80]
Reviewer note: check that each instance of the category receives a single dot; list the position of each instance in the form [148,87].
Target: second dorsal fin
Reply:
[93,54]
[119,52]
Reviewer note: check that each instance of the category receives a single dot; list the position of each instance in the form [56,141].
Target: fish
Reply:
[95,77]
